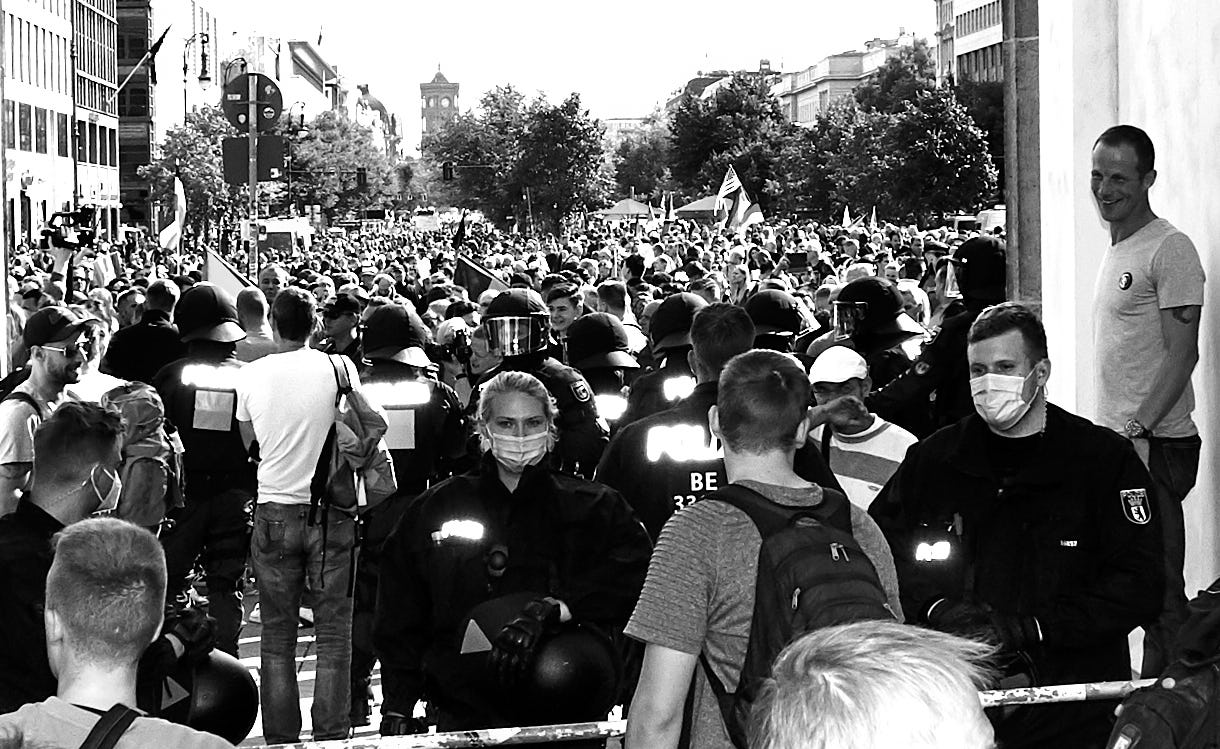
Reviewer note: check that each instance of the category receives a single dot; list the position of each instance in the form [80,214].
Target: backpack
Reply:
[811,574]
[355,470]
[152,455]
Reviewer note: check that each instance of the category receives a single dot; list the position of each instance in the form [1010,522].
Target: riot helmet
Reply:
[671,322]
[598,339]
[979,270]
[216,695]
[517,323]
[871,306]
[207,312]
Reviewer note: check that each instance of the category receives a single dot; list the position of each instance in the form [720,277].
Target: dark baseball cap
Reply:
[342,304]
[51,324]
[598,339]
[394,332]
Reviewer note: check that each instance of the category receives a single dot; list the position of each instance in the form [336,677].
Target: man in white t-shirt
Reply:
[285,403]
[862,450]
[1147,307]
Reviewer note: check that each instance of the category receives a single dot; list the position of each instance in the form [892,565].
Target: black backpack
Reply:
[811,574]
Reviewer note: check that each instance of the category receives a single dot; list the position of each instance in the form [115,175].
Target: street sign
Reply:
[272,158]
[269,102]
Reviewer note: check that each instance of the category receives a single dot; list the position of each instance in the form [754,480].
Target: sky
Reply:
[624,57]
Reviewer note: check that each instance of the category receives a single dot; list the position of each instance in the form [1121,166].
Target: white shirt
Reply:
[289,399]
[863,462]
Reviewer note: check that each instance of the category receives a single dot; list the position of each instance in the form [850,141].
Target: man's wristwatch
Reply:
[1136,431]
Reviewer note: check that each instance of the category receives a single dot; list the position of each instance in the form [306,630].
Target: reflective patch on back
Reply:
[214,410]
[400,432]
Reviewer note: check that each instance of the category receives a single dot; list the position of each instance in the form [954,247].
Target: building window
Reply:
[10,124]
[40,130]
[113,135]
[25,127]
[82,142]
[93,143]
[61,133]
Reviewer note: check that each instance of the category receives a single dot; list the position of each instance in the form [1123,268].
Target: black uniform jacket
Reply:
[1071,539]
[572,539]
[25,560]
[666,461]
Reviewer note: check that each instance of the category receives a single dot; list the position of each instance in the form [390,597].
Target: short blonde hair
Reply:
[515,382]
[875,685]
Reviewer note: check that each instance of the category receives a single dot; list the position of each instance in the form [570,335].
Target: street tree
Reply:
[327,157]
[899,79]
[641,162]
[192,153]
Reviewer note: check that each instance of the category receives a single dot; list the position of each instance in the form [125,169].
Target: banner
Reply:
[224,274]
[170,237]
[472,276]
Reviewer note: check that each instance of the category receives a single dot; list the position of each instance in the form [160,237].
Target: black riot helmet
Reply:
[517,323]
[871,306]
[216,695]
[777,319]
[979,268]
[671,322]
[598,339]
[207,312]
[574,678]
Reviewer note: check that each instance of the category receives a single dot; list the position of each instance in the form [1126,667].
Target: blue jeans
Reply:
[286,552]
[1173,464]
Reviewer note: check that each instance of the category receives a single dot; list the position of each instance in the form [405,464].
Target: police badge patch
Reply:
[1135,505]
[581,391]
[1124,281]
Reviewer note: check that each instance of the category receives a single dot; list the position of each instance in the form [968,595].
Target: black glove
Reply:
[513,649]
[393,724]
[194,630]
[1011,632]
[1168,714]
[1015,632]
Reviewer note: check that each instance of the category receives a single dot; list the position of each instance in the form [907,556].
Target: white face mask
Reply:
[515,453]
[999,399]
[109,502]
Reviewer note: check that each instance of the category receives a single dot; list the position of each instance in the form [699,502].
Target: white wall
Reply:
[1152,64]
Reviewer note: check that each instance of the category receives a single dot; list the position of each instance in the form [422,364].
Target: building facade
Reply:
[56,146]
[969,41]
[438,101]
[810,92]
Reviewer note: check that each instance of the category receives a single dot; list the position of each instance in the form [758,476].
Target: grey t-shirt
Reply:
[699,592]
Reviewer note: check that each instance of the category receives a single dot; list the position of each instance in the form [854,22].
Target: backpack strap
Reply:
[24,397]
[826,437]
[110,727]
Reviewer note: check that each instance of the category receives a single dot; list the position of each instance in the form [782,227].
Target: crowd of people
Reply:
[562,415]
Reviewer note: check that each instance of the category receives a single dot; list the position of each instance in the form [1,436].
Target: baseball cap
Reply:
[53,323]
[341,305]
[838,364]
[394,332]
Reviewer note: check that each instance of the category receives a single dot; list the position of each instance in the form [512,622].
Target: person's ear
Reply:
[1149,179]
[803,427]
[713,422]
[690,360]
[53,625]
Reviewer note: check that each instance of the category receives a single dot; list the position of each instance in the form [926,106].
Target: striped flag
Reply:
[733,199]
[224,274]
[170,237]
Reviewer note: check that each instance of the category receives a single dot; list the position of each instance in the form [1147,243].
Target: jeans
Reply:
[286,551]
[213,522]
[1173,464]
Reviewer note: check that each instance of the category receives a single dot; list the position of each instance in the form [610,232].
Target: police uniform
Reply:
[469,540]
[582,432]
[200,399]
[1056,526]
[666,461]
[426,435]
[598,349]
[660,389]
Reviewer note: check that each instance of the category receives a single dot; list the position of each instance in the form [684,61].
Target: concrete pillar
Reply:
[1021,150]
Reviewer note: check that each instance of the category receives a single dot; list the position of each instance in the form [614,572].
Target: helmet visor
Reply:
[515,336]
[846,318]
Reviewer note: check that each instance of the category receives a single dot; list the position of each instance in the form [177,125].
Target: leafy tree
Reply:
[325,160]
[899,80]
[861,160]
[641,162]
[984,102]
[192,153]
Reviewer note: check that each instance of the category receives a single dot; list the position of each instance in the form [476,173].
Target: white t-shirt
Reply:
[864,462]
[289,399]
[1154,269]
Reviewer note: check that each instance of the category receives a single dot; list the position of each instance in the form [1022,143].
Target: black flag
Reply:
[152,57]
[459,237]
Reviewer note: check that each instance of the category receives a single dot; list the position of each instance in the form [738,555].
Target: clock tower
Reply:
[438,102]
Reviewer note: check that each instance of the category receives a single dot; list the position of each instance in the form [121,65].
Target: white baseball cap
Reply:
[838,364]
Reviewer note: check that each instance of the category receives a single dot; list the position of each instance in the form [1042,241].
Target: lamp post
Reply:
[296,129]
[204,77]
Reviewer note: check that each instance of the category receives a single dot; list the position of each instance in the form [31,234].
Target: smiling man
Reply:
[1148,302]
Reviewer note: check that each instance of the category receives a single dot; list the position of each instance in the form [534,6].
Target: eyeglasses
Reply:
[84,349]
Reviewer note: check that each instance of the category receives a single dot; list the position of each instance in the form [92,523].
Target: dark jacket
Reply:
[648,395]
[25,560]
[666,461]
[140,351]
[1070,538]
[213,445]
[565,537]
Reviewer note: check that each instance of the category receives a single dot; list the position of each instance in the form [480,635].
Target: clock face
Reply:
[445,101]
[431,101]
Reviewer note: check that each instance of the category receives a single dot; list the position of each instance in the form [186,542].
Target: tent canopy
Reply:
[701,208]
[627,208]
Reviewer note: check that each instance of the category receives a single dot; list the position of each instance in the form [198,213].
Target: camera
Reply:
[456,350]
[70,229]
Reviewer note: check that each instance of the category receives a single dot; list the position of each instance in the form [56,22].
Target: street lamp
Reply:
[296,128]
[204,77]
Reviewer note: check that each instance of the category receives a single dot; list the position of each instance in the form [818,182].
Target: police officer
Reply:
[778,321]
[939,379]
[200,397]
[569,549]
[869,316]
[426,437]
[517,324]
[666,461]
[1029,526]
[598,348]
[673,380]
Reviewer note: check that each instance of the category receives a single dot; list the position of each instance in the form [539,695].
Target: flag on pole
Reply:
[740,211]
[472,276]
[846,218]
[221,272]
[170,237]
[669,206]
[151,55]
[872,222]
[459,237]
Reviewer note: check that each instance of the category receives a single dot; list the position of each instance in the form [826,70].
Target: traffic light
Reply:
[447,171]
[362,177]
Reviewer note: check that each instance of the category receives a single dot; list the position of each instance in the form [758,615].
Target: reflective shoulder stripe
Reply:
[210,377]
[681,443]
[610,406]
[401,394]
[677,388]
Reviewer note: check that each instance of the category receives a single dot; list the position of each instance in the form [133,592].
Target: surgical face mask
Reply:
[109,501]
[515,453]
[1000,399]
